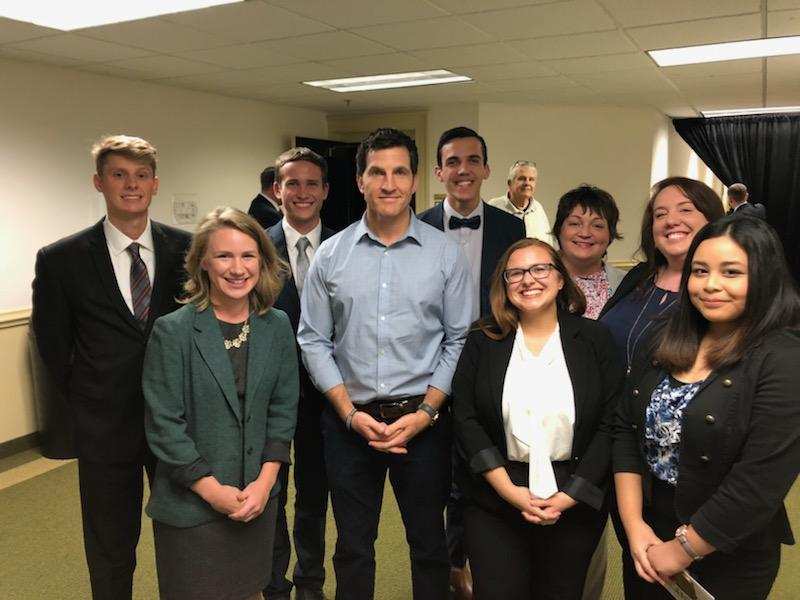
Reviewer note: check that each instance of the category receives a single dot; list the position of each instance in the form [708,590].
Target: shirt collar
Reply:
[292,235]
[362,229]
[118,242]
[450,212]
[270,200]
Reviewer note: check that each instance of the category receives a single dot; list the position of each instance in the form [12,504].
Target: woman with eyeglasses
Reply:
[533,398]
[707,438]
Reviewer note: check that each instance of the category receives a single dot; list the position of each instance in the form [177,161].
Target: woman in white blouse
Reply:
[533,399]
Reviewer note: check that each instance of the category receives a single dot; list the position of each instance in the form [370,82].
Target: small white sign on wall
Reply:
[184,209]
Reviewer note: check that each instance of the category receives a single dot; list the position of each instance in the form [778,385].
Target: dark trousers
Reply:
[454,523]
[511,558]
[421,483]
[111,507]
[747,573]
[310,507]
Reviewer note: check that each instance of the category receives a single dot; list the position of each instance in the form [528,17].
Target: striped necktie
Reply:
[140,286]
[302,262]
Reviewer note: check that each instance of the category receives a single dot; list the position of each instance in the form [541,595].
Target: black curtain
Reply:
[762,152]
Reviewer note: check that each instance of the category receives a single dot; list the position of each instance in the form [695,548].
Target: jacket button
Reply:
[635,392]
[710,419]
[576,458]
[250,450]
[727,383]
[634,426]
[705,458]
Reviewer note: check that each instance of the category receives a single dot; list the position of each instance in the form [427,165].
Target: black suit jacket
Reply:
[90,342]
[478,419]
[264,212]
[739,446]
[500,230]
[289,302]
[751,210]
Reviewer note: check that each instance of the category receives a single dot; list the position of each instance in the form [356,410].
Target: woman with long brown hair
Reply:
[533,398]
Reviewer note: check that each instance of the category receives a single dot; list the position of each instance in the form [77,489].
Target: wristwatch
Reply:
[430,411]
[680,535]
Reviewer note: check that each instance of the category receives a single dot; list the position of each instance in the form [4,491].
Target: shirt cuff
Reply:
[186,475]
[486,460]
[442,379]
[583,490]
[327,377]
[276,451]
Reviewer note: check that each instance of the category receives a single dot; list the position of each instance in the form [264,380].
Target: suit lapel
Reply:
[576,359]
[290,294]
[259,356]
[498,365]
[98,248]
[210,344]
[437,216]
[490,250]
[165,257]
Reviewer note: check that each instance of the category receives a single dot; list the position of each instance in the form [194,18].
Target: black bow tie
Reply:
[471,223]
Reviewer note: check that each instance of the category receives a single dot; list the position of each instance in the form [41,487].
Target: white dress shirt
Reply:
[471,243]
[537,225]
[538,410]
[292,235]
[118,243]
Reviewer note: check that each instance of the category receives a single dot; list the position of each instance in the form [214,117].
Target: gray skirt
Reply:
[221,560]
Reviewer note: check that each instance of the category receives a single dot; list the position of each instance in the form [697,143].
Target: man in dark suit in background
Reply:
[740,205]
[265,208]
[301,184]
[95,297]
[484,233]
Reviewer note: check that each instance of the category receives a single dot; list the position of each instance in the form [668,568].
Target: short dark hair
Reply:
[267,178]
[589,198]
[738,192]
[300,153]
[383,139]
[459,132]
[772,300]
[704,199]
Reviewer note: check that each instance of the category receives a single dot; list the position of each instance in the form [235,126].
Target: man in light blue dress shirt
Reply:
[384,312]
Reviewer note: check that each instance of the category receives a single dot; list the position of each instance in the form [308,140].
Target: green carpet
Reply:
[41,547]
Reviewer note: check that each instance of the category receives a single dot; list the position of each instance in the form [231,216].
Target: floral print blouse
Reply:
[663,422]
[597,291]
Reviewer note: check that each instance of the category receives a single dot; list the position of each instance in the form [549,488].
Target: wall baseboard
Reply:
[26,442]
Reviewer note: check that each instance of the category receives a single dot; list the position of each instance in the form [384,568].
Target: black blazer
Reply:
[500,230]
[478,420]
[89,341]
[289,302]
[264,212]
[751,210]
[739,448]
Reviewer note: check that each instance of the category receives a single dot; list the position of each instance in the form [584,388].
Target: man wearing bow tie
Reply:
[484,233]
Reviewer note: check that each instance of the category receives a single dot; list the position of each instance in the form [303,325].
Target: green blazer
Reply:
[193,419]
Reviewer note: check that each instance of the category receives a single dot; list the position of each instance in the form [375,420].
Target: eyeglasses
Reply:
[537,271]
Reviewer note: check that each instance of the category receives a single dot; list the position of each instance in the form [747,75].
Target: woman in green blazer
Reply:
[221,388]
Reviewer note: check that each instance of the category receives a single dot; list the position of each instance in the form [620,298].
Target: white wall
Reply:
[208,145]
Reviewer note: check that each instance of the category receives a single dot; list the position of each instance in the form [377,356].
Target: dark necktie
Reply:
[471,223]
[140,286]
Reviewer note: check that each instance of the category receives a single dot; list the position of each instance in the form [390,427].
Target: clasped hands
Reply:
[655,560]
[391,438]
[540,511]
[239,505]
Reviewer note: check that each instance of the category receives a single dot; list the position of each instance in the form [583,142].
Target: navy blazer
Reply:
[478,383]
[739,446]
[500,230]
[264,212]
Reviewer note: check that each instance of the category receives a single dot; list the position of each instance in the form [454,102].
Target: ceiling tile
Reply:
[625,82]
[360,13]
[727,67]
[468,6]
[712,101]
[17,31]
[601,64]
[723,83]
[576,45]
[783,66]
[248,22]
[31,56]
[154,34]
[631,13]
[537,21]
[71,45]
[330,45]
[473,55]
[507,71]
[783,23]
[782,4]
[111,70]
[532,84]
[232,79]
[693,33]
[431,33]
[243,56]
[397,62]
[159,67]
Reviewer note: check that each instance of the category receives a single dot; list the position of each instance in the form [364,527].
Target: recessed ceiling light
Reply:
[727,51]
[67,16]
[735,112]
[385,82]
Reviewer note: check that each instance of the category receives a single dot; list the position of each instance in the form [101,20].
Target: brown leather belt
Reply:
[389,411]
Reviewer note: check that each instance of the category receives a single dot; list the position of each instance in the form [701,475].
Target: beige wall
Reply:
[17,416]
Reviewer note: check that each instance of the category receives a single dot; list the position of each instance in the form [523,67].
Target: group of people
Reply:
[516,388]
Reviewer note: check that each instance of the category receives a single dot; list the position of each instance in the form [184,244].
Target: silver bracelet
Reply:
[680,535]
[348,422]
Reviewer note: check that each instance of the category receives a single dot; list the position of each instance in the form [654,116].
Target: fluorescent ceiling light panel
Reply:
[728,51]
[735,112]
[386,82]
[67,16]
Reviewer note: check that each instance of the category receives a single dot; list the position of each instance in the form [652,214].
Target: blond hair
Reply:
[134,148]
[272,270]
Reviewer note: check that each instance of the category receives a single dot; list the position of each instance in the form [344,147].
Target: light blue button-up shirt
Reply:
[387,321]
